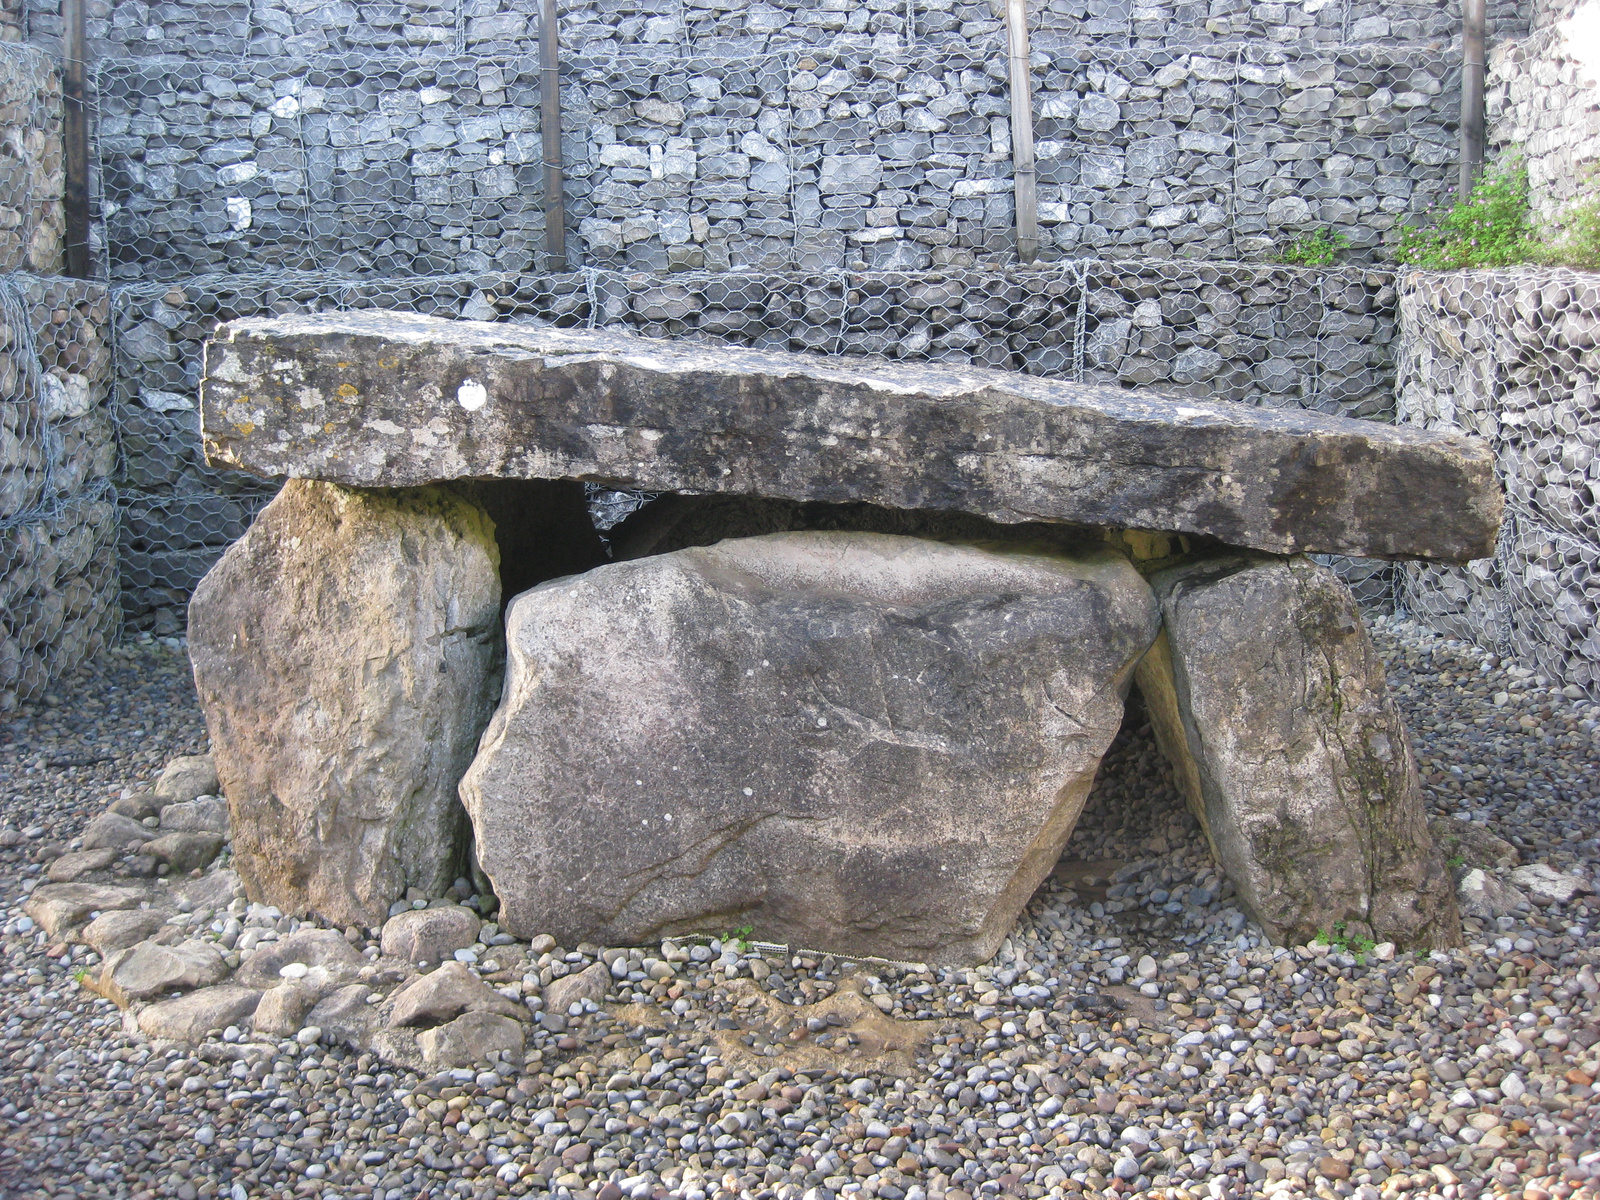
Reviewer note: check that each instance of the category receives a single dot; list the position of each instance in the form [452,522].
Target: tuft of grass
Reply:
[1319,249]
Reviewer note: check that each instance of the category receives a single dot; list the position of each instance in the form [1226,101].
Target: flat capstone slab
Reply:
[381,399]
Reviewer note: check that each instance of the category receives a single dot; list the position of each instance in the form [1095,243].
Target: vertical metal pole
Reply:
[1472,73]
[555,207]
[75,138]
[1022,171]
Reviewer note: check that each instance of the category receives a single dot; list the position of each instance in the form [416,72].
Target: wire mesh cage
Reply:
[58,567]
[1514,357]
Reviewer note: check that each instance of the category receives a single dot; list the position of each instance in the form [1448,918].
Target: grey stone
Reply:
[344,652]
[121,928]
[205,815]
[185,779]
[137,806]
[146,970]
[191,1018]
[520,402]
[283,1009]
[860,743]
[324,948]
[1546,885]
[73,866]
[185,852]
[430,935]
[345,1016]
[58,907]
[1483,896]
[444,994]
[470,1039]
[113,831]
[1472,844]
[590,984]
[1269,700]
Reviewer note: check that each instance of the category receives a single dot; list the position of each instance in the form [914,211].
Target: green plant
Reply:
[1318,249]
[739,938]
[1578,243]
[1491,228]
[1341,940]
[1454,861]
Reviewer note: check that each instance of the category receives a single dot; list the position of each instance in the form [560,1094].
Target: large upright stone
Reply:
[1267,696]
[345,651]
[391,399]
[854,742]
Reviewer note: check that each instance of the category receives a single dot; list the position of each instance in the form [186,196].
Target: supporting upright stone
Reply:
[346,653]
[851,742]
[1270,701]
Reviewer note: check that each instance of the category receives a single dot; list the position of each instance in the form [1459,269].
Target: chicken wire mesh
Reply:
[1258,334]
[32,219]
[58,568]
[1514,357]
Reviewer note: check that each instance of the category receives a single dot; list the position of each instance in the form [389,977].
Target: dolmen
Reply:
[845,683]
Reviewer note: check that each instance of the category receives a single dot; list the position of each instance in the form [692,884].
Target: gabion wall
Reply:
[429,164]
[296,28]
[1514,357]
[1543,100]
[58,570]
[31,215]
[1260,334]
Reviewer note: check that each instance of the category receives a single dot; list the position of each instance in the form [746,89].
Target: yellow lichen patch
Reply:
[245,428]
[347,391]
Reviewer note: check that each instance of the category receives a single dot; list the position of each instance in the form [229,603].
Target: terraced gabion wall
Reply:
[58,571]
[1543,103]
[1514,357]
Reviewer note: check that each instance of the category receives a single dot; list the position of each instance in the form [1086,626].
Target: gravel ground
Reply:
[1135,1035]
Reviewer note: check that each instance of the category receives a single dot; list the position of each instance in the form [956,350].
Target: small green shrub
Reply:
[1578,244]
[1342,940]
[1318,249]
[1491,228]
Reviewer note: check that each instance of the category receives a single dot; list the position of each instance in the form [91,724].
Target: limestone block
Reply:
[146,970]
[190,1018]
[430,935]
[855,742]
[358,390]
[344,652]
[1270,701]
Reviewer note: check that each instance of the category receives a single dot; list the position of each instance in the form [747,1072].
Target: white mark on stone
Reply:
[822,722]
[749,791]
[472,395]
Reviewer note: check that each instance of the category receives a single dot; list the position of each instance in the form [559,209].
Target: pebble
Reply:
[1334,1070]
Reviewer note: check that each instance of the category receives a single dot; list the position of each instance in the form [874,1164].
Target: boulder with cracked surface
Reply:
[1271,703]
[855,742]
[372,399]
[445,994]
[470,1039]
[345,653]
[192,1017]
[311,948]
[59,907]
[148,970]
[430,935]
